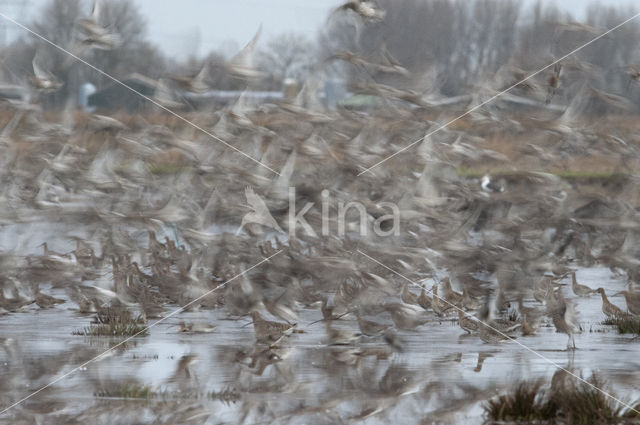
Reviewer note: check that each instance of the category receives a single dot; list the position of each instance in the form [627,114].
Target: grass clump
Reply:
[128,390]
[626,324]
[525,403]
[114,321]
[575,402]
[228,395]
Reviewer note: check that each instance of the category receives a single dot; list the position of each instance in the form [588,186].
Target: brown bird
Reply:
[528,328]
[466,322]
[269,332]
[44,300]
[424,300]
[609,309]
[633,301]
[553,82]
[439,305]
[491,335]
[407,296]
[580,290]
[563,316]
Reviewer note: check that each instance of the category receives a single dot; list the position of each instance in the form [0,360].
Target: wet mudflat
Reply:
[442,375]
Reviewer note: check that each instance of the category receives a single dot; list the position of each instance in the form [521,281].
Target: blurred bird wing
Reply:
[282,183]
[388,57]
[38,71]
[255,201]
[202,75]
[95,12]
[243,61]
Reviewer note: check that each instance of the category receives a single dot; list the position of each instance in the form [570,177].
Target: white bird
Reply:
[489,186]
[260,213]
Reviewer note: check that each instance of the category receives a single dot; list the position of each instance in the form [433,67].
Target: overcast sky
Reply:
[188,27]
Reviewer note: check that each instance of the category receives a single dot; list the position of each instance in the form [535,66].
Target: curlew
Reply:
[466,322]
[610,310]
[563,316]
[424,300]
[491,335]
[633,301]
[439,305]
[407,296]
[450,295]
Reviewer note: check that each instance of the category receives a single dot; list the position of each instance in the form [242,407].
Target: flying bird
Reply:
[94,35]
[260,213]
[44,80]
[368,10]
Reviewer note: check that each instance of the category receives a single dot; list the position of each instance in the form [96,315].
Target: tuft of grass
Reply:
[524,404]
[626,324]
[128,390]
[228,395]
[586,405]
[113,329]
[113,321]
[575,403]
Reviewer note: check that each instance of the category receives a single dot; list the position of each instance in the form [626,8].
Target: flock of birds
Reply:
[492,254]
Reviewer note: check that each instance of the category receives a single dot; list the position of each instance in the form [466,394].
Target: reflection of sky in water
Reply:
[437,352]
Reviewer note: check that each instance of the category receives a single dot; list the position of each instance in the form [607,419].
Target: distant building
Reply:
[116,97]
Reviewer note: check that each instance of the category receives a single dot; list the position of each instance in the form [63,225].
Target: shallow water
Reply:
[437,377]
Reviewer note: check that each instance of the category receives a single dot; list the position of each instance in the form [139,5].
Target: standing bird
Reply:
[438,304]
[633,301]
[491,335]
[268,332]
[553,82]
[407,296]
[466,322]
[580,290]
[450,295]
[563,316]
[610,310]
[424,300]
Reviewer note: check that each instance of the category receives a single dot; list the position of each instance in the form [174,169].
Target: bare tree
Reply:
[285,56]
[57,23]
